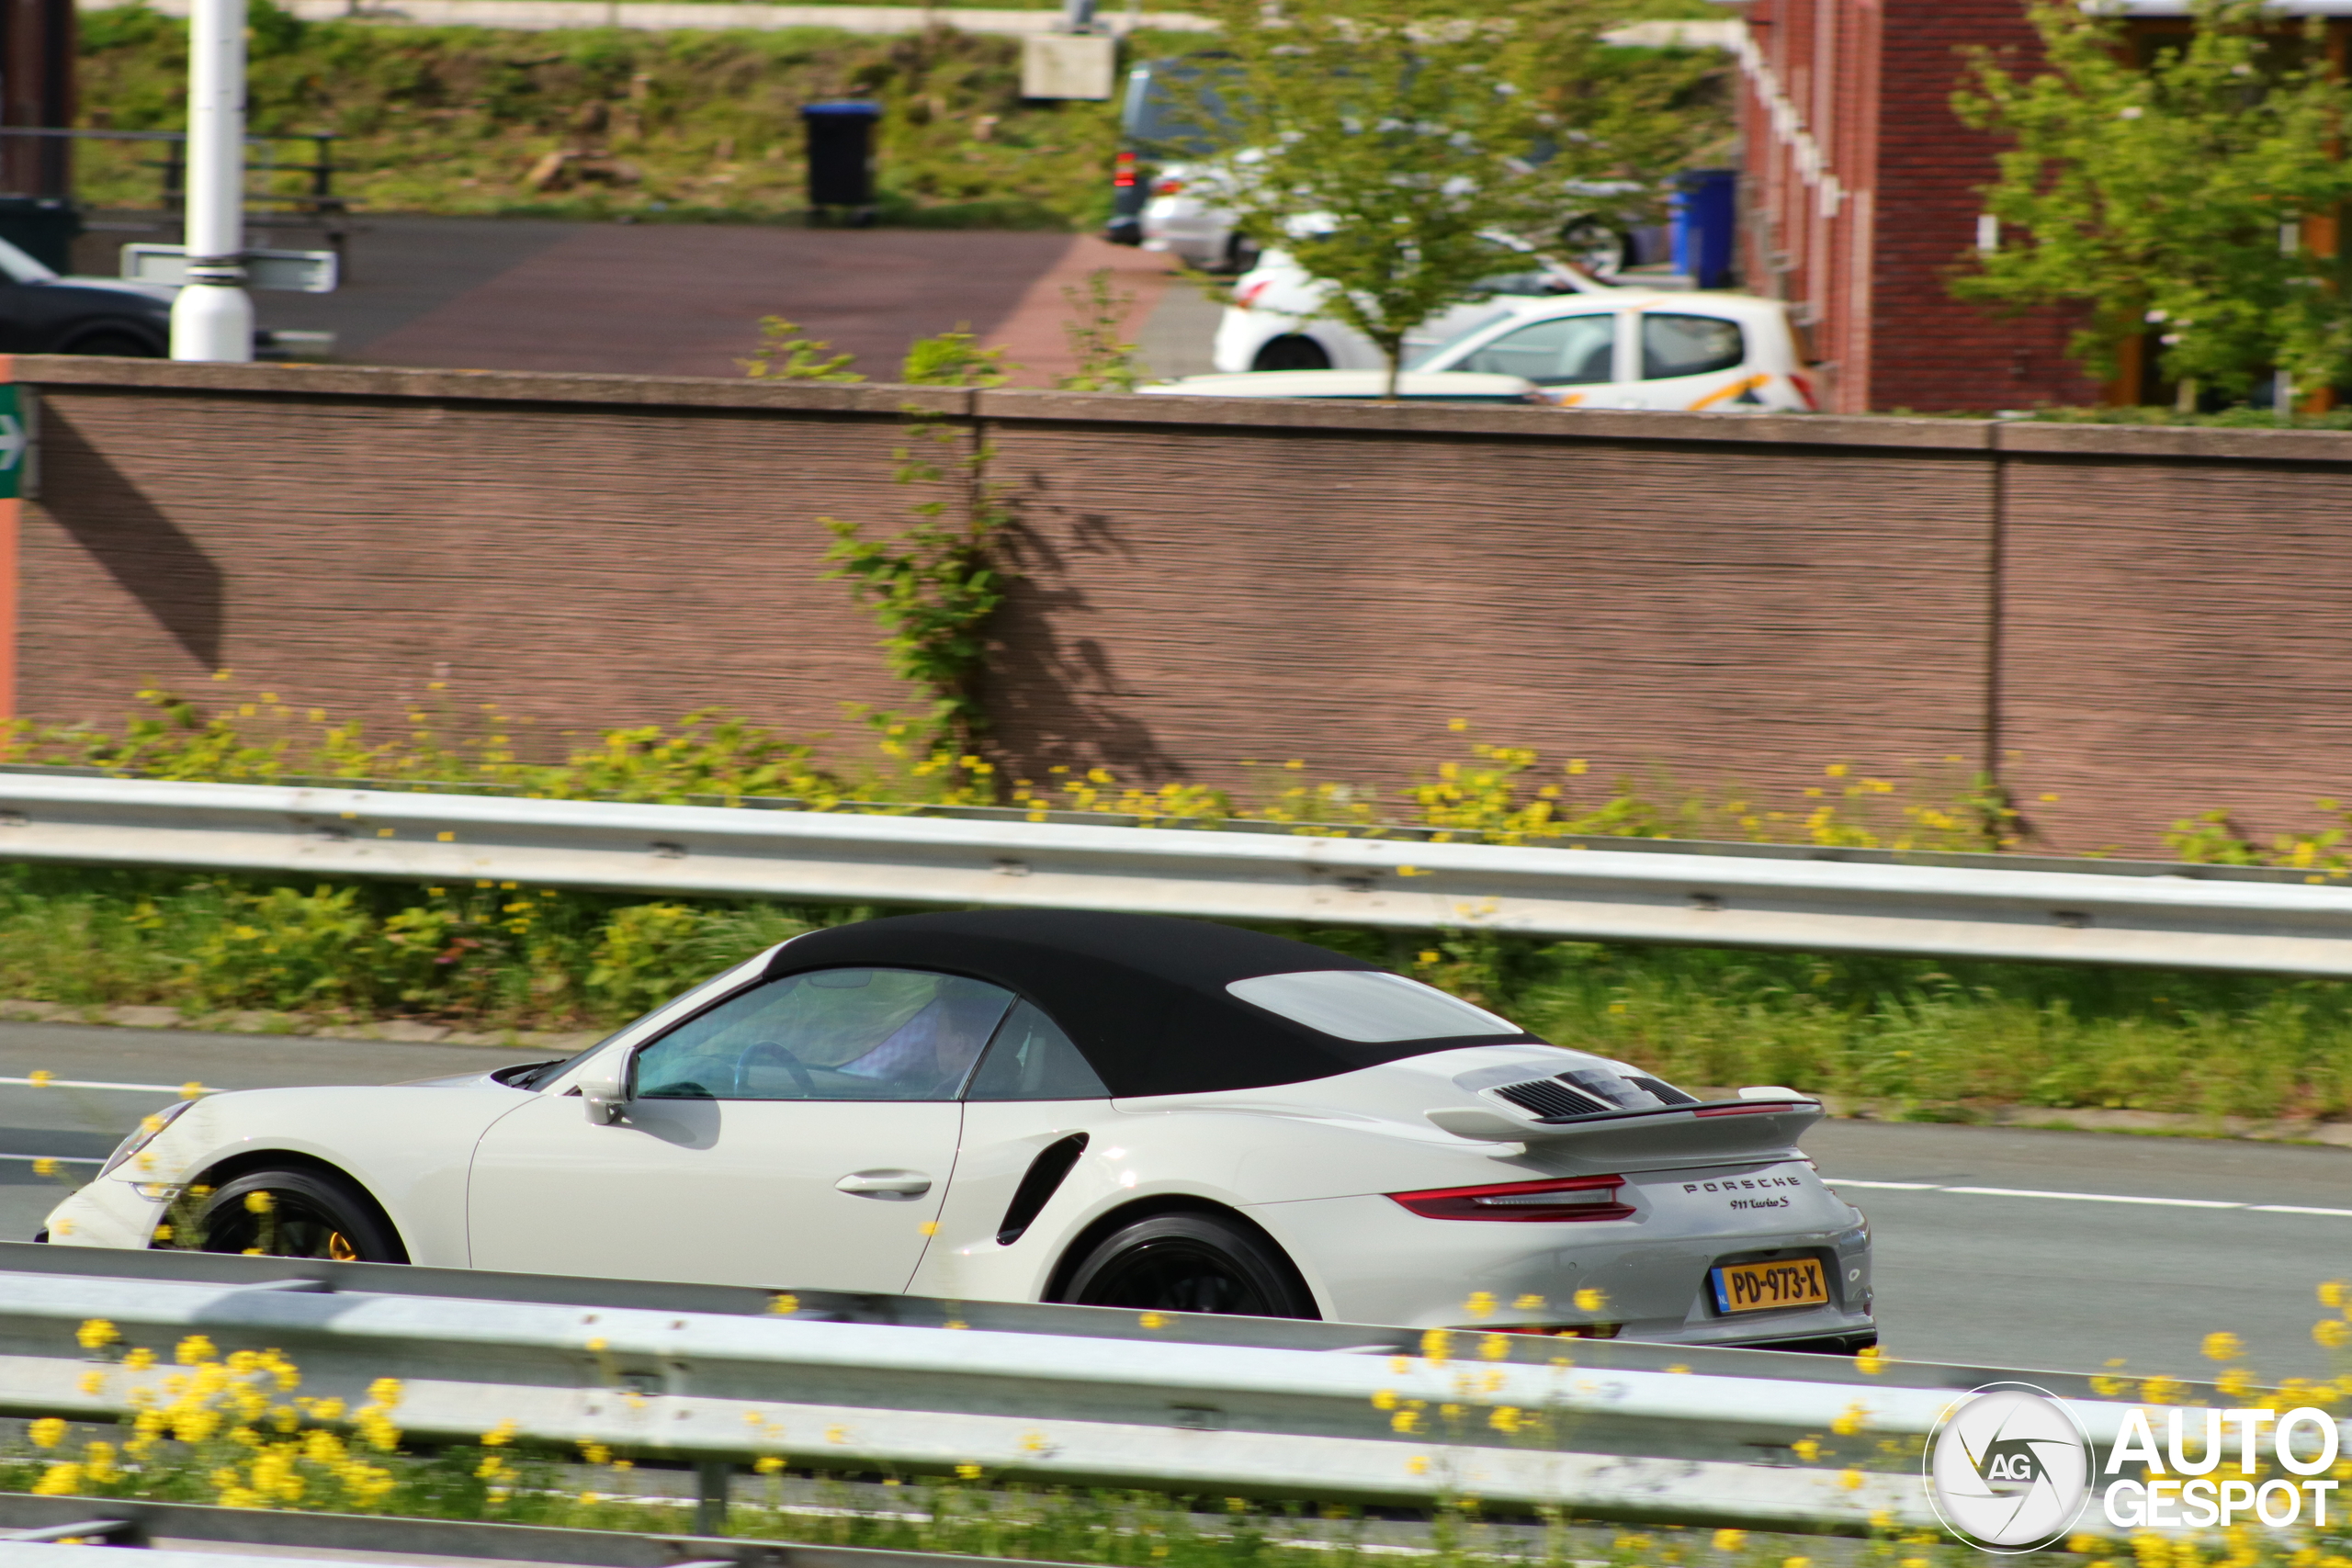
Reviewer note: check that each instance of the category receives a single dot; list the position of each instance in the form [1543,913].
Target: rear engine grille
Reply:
[1665,1092]
[1550,1098]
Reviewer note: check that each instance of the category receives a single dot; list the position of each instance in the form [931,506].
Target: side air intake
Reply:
[1038,1185]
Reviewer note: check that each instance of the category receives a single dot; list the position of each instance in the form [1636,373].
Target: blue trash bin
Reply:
[1705,218]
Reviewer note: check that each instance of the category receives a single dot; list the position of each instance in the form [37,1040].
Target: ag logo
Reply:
[2009,1467]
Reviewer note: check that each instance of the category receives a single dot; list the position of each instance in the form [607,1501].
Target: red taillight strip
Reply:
[1571,1199]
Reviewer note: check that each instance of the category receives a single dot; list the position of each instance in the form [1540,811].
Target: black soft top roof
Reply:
[1142,997]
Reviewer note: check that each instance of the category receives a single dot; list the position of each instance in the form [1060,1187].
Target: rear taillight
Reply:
[1247,295]
[1804,390]
[1744,1107]
[1123,170]
[1575,1198]
[1166,187]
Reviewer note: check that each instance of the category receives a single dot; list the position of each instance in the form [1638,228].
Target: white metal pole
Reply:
[212,319]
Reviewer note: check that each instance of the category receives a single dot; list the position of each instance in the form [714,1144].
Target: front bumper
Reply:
[109,1212]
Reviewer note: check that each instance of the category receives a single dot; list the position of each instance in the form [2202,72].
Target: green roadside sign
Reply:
[15,443]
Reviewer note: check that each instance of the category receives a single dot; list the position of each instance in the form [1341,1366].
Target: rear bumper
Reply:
[1371,1260]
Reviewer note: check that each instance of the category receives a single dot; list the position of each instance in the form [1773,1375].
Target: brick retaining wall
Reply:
[2143,623]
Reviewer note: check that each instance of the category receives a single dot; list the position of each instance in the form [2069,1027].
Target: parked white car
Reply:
[1276,319]
[1620,348]
[1180,218]
[1640,349]
[1360,385]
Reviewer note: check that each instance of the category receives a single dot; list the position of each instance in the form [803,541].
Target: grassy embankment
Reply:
[700,125]
[687,125]
[1915,1036]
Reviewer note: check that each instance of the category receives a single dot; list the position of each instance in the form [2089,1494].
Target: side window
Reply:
[1031,1059]
[830,1034]
[1689,345]
[1568,351]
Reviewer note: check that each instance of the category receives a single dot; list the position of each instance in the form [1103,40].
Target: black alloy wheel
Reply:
[1190,1263]
[297,1213]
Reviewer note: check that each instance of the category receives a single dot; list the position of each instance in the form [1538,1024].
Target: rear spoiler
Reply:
[1730,1129]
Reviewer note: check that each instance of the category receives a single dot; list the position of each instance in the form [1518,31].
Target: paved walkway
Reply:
[685,300]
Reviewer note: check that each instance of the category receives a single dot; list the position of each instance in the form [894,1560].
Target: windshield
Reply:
[1431,357]
[22,268]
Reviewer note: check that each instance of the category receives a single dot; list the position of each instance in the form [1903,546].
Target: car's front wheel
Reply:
[297,1213]
[1189,1262]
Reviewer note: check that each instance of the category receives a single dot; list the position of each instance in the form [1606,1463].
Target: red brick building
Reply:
[1860,198]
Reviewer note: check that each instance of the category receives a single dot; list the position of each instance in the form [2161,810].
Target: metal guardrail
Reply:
[2166,916]
[1072,1394]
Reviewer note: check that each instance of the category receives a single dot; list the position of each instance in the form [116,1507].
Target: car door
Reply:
[1690,360]
[800,1133]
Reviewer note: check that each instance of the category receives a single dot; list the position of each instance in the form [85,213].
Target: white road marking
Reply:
[81,1083]
[2086,1197]
[2093,1197]
[61,1160]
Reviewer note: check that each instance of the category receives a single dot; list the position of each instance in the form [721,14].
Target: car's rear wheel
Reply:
[1190,1263]
[297,1213]
[120,345]
[1292,350]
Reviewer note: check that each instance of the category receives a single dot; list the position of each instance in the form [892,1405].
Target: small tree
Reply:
[1381,141]
[2171,193]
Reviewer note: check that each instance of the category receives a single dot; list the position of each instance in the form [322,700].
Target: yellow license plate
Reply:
[1754,1287]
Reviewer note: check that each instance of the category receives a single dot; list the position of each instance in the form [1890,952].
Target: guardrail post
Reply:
[714,1478]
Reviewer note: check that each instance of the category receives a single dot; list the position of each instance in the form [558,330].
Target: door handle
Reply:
[896,1186]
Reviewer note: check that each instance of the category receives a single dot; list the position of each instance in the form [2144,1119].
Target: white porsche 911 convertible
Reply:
[1118,1110]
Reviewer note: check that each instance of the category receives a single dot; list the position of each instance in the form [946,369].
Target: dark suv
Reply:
[1160,119]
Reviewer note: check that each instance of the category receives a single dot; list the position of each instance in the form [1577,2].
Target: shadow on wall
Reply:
[144,551]
[1058,700]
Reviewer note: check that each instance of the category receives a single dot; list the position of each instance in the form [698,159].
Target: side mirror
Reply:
[605,1087]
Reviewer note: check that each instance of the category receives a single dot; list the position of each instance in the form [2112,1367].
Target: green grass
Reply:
[687,125]
[696,125]
[1913,1037]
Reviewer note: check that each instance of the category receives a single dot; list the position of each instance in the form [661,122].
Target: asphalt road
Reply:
[687,299]
[2086,1248]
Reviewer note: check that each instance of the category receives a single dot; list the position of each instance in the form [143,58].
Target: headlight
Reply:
[146,1133]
